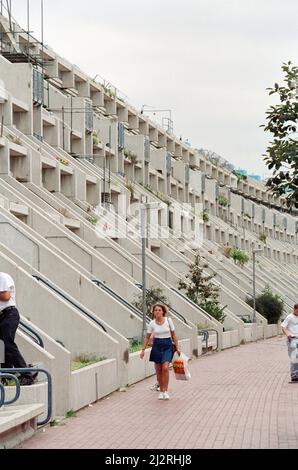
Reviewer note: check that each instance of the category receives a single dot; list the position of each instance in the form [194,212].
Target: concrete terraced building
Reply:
[75,162]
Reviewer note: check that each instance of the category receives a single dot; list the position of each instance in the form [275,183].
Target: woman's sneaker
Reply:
[166,396]
[161,396]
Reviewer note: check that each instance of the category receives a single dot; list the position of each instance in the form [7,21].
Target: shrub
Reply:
[222,200]
[135,346]
[246,320]
[205,216]
[131,156]
[239,176]
[95,138]
[84,360]
[270,305]
[214,310]
[92,219]
[130,186]
[63,161]
[239,256]
[263,237]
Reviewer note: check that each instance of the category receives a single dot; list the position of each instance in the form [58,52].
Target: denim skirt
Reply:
[162,350]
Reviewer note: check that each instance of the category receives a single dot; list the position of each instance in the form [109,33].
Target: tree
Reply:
[153,295]
[201,290]
[282,154]
[270,305]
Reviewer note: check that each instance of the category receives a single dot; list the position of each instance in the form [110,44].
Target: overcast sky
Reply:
[209,61]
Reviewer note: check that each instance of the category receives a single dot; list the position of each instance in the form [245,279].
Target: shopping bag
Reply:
[180,366]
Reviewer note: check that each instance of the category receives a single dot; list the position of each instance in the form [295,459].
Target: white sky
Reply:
[209,61]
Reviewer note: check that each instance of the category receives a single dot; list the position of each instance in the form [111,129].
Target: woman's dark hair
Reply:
[163,307]
[295,306]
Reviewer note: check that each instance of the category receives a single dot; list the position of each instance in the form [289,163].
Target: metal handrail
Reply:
[50,395]
[171,309]
[32,333]
[2,395]
[70,300]
[18,388]
[205,334]
[121,299]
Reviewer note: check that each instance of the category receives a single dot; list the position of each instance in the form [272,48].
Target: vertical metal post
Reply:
[8,3]
[1,27]
[63,126]
[143,236]
[110,146]
[71,123]
[104,179]
[254,285]
[28,29]
[42,48]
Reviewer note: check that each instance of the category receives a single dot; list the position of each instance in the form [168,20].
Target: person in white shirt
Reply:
[163,330]
[290,329]
[9,322]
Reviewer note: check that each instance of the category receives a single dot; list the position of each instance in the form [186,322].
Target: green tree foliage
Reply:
[154,295]
[270,305]
[200,289]
[282,153]
[239,256]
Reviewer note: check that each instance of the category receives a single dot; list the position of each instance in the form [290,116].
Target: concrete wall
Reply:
[93,382]
[230,339]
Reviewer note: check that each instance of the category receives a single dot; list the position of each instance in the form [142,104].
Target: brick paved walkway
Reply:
[238,398]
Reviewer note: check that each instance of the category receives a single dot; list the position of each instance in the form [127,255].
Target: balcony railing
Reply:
[37,87]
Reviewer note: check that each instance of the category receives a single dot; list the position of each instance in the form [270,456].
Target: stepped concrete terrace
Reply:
[66,176]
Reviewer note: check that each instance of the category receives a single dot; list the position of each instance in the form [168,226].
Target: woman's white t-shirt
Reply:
[161,331]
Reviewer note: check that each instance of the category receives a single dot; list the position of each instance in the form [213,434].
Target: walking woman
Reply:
[163,331]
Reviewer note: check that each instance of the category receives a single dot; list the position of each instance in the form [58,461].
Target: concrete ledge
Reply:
[260,332]
[139,369]
[230,339]
[18,209]
[271,330]
[71,223]
[18,423]
[248,334]
[200,345]
[91,383]
[30,395]
[17,150]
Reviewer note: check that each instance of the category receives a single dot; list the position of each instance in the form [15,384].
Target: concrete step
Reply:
[18,423]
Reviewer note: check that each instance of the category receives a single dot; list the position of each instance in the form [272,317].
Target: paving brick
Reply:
[239,398]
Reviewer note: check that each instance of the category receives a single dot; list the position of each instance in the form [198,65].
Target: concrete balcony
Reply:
[178,171]
[211,190]
[195,182]
[135,144]
[195,161]
[48,118]
[18,209]
[17,150]
[158,160]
